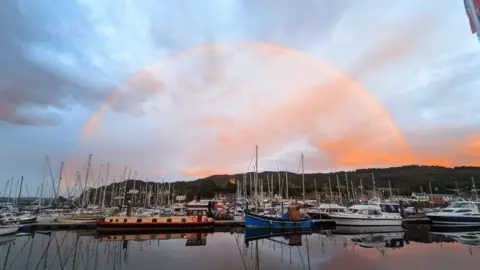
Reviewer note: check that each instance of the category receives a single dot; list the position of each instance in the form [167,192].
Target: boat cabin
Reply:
[8,218]
[390,207]
[149,220]
[368,210]
[331,208]
[463,207]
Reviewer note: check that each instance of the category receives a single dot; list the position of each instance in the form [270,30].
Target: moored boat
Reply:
[129,223]
[292,219]
[27,219]
[375,213]
[460,213]
[8,229]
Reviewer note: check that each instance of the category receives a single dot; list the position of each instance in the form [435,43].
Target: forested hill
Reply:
[407,179]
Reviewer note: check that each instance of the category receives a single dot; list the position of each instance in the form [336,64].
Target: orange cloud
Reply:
[327,109]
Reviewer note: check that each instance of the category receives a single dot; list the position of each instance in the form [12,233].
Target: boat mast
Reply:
[339,190]
[390,189]
[125,185]
[474,188]
[346,186]
[361,187]
[59,181]
[43,181]
[255,178]
[105,187]
[330,187]
[316,192]
[280,195]
[354,192]
[133,189]
[374,188]
[85,197]
[20,192]
[303,179]
[286,182]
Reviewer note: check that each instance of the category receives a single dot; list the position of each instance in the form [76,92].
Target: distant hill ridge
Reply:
[406,179]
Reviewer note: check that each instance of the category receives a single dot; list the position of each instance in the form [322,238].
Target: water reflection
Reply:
[343,247]
[379,238]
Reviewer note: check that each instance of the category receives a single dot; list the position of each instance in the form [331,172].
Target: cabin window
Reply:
[169,220]
[463,211]
[111,220]
[125,220]
[184,220]
[373,212]
[390,208]
[154,220]
[116,220]
[139,220]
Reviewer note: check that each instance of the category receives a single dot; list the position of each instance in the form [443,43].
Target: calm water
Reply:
[416,249]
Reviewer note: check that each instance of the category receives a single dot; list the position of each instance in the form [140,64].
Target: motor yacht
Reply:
[459,213]
[375,213]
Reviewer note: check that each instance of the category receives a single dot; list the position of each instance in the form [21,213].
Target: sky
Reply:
[179,90]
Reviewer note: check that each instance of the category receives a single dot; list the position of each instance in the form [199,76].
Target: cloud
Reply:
[228,98]
[192,87]
[57,58]
[31,74]
[293,24]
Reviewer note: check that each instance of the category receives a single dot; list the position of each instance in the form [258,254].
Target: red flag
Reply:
[473,11]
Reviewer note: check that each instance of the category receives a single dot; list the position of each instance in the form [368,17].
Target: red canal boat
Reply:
[133,223]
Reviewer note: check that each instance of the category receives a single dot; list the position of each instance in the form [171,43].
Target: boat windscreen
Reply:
[390,208]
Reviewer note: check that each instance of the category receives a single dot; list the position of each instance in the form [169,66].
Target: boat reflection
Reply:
[291,234]
[289,239]
[466,235]
[5,239]
[197,238]
[380,238]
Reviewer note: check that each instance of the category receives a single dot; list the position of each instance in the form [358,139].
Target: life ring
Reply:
[194,219]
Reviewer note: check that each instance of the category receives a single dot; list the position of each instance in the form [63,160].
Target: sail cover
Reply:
[473,11]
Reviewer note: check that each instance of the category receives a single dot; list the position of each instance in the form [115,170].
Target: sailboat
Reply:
[292,219]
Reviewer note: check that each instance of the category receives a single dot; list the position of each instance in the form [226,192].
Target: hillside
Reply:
[406,179]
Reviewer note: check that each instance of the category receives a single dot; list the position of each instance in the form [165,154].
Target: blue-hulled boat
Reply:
[257,221]
[461,213]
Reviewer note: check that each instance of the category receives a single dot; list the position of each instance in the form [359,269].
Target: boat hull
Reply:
[356,221]
[257,221]
[28,220]
[454,220]
[8,229]
[119,223]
